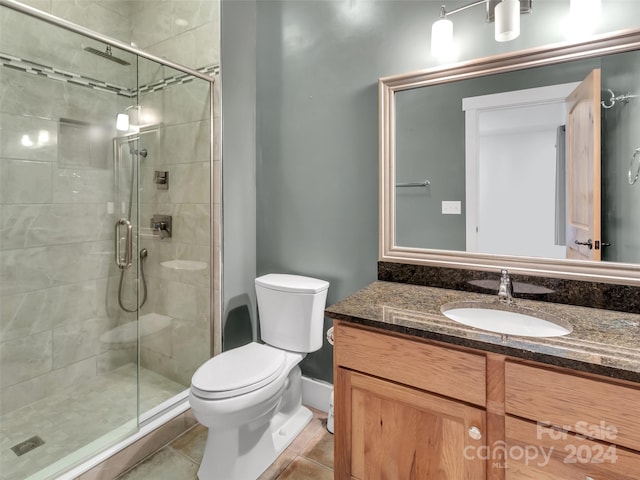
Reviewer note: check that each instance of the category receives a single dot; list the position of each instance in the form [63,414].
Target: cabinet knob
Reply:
[588,478]
[476,434]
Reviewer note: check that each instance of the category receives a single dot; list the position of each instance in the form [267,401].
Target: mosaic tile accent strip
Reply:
[27,66]
[177,79]
[210,70]
[34,68]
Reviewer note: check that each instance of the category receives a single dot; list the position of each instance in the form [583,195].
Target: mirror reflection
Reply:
[532,163]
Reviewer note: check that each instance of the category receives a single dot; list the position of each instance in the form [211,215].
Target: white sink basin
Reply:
[506,319]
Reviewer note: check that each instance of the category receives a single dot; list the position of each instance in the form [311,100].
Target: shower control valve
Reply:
[161,226]
[161,179]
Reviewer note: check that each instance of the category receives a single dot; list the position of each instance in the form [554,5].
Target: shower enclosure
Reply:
[105,240]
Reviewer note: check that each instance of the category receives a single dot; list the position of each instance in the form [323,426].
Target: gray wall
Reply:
[316,125]
[238,53]
[430,143]
[621,124]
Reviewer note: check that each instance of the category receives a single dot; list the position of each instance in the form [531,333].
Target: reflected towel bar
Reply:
[634,166]
[619,98]
[424,183]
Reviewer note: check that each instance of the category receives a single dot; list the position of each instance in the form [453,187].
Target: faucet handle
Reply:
[161,225]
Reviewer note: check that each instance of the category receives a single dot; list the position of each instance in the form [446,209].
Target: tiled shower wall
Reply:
[186,32]
[56,232]
[58,282]
[178,274]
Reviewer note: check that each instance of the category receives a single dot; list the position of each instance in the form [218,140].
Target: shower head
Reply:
[108,54]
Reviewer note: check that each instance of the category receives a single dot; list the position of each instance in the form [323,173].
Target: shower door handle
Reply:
[124,262]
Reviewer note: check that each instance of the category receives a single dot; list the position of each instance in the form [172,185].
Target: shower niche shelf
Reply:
[185,265]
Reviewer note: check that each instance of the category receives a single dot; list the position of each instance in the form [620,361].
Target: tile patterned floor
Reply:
[309,457]
[70,420]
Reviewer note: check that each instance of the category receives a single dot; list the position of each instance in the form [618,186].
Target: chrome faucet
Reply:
[505,291]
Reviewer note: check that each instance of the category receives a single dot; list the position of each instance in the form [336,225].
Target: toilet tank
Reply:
[291,310]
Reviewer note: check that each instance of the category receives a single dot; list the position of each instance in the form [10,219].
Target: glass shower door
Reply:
[68,375]
[105,243]
[174,118]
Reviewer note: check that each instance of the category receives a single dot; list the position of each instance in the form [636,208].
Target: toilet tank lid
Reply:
[292,283]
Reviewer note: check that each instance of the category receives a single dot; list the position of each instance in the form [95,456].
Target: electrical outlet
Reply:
[451,207]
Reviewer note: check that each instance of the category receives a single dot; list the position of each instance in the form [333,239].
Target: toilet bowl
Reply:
[250,398]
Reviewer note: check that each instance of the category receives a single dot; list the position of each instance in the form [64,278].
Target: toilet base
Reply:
[244,454]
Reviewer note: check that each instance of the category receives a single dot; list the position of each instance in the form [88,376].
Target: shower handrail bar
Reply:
[424,183]
[74,27]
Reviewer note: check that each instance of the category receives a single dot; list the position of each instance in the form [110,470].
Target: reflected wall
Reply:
[430,143]
[621,124]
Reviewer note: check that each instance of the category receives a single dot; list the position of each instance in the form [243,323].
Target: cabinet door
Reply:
[388,431]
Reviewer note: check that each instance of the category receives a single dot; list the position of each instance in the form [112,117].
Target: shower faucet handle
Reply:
[163,230]
[161,226]
[161,179]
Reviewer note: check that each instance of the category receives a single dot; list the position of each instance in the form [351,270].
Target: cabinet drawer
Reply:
[598,409]
[452,373]
[540,453]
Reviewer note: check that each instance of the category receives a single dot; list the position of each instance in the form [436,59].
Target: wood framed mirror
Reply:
[442,200]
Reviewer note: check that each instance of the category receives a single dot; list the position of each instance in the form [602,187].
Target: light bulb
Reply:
[507,19]
[43,137]
[122,122]
[584,16]
[26,141]
[442,38]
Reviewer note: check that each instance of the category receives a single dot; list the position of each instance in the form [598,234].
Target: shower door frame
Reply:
[157,416]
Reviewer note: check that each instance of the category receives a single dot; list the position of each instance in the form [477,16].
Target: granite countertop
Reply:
[604,342]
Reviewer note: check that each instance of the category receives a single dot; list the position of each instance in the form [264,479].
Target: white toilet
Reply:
[250,397]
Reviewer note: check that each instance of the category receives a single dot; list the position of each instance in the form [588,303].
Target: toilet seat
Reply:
[238,371]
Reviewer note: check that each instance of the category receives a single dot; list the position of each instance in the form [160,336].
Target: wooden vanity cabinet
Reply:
[541,453]
[404,409]
[564,426]
[408,408]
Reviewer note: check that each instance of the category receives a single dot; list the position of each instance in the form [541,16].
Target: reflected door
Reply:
[583,170]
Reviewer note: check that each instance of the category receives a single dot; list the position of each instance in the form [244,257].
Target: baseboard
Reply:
[316,393]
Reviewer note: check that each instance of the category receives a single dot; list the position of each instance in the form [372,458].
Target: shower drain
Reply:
[27,445]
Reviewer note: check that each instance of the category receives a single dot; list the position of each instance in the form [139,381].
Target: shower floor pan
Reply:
[68,421]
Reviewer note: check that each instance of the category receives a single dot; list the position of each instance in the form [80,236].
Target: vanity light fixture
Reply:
[442,36]
[505,14]
[584,16]
[507,20]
